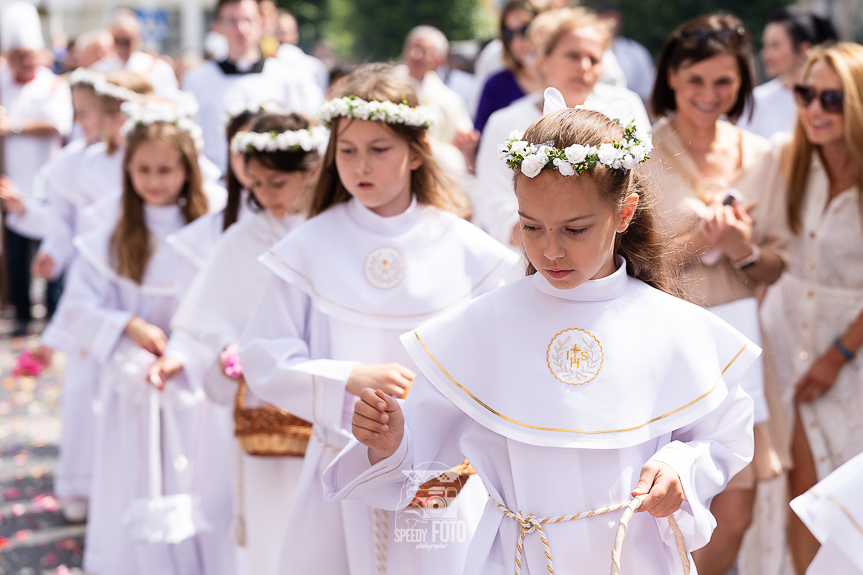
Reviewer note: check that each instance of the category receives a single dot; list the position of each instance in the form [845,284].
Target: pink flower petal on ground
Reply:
[18,509]
[62,570]
[22,535]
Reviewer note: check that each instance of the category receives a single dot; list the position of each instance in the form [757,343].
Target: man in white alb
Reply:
[127,55]
[244,76]
[37,112]
[292,55]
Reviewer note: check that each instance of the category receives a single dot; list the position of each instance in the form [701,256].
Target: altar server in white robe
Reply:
[582,388]
[384,249]
[122,291]
[195,241]
[243,76]
[218,305]
[833,512]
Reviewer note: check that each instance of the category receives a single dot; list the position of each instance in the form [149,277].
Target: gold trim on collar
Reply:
[591,432]
[841,508]
[408,316]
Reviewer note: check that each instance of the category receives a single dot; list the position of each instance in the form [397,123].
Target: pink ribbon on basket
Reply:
[233,368]
[27,364]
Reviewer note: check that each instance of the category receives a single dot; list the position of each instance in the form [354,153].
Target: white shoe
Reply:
[75,510]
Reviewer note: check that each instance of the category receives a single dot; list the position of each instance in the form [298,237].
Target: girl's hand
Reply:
[146,335]
[43,266]
[165,369]
[10,196]
[729,229]
[662,486]
[820,377]
[378,423]
[391,378]
[44,354]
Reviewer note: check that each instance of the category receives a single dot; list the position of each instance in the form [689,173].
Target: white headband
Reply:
[289,141]
[375,111]
[154,111]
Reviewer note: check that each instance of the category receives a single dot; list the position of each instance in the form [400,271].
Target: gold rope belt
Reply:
[529,523]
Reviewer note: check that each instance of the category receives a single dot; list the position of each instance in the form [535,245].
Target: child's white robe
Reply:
[97,306]
[551,436]
[347,282]
[211,316]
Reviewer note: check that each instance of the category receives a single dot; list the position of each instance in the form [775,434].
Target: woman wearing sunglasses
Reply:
[787,39]
[813,316]
[713,180]
[519,76]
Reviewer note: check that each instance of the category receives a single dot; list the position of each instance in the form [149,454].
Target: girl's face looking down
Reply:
[375,165]
[281,193]
[157,173]
[568,228]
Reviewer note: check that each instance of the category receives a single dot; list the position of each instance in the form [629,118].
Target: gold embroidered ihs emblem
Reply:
[384,268]
[575,356]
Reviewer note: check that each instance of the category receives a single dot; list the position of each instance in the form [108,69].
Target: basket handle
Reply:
[241,394]
[621,535]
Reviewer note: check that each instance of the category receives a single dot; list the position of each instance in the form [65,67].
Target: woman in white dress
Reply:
[217,307]
[122,291]
[788,36]
[560,387]
[382,250]
[709,175]
[813,316]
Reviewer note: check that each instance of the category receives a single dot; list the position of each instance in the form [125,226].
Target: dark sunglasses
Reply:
[726,36]
[832,101]
[509,34]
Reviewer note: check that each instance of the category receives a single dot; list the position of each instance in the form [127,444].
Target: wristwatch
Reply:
[749,260]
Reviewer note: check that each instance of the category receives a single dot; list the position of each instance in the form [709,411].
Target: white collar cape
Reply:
[609,364]
[165,274]
[389,273]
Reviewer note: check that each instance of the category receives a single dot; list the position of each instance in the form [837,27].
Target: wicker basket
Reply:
[269,431]
[442,488]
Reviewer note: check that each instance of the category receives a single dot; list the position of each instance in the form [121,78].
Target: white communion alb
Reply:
[558,398]
[346,284]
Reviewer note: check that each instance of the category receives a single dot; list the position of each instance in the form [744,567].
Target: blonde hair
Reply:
[110,105]
[131,246]
[642,244]
[846,59]
[429,183]
[556,24]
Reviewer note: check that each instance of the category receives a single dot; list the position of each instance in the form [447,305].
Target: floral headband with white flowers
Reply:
[252,108]
[375,111]
[530,159]
[154,111]
[289,141]
[85,77]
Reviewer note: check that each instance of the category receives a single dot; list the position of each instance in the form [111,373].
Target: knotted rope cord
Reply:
[381,534]
[239,518]
[530,523]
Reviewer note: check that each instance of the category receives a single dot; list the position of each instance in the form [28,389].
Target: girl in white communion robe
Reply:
[382,250]
[575,389]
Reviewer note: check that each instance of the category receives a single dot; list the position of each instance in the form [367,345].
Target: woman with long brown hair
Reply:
[385,247]
[813,316]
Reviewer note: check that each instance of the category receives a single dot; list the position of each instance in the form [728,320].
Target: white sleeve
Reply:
[495,207]
[58,111]
[83,321]
[706,455]
[34,222]
[433,426]
[277,363]
[199,356]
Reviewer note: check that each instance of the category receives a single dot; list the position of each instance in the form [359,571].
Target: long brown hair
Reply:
[846,59]
[232,184]
[131,245]
[642,244]
[429,183]
[110,105]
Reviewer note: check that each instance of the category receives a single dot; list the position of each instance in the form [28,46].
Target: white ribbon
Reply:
[618,109]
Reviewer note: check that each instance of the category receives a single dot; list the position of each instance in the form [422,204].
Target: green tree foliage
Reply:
[651,21]
[313,18]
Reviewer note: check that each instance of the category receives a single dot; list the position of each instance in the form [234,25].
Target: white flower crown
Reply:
[289,141]
[83,76]
[241,108]
[155,111]
[375,111]
[105,88]
[530,159]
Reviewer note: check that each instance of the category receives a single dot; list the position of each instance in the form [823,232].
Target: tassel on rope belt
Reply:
[530,523]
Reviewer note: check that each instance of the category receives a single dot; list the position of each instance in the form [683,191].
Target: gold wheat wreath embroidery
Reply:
[575,356]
